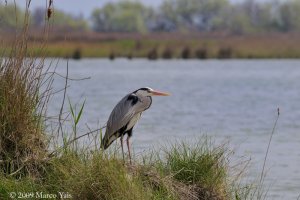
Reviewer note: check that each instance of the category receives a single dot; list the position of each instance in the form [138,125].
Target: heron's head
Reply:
[146,91]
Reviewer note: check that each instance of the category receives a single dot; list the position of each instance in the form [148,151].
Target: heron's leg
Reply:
[121,139]
[127,141]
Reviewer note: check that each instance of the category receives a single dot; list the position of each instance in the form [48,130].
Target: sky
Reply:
[85,7]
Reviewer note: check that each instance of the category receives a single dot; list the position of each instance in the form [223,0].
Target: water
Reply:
[234,100]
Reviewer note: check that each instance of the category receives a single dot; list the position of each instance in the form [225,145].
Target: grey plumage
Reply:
[129,108]
[126,114]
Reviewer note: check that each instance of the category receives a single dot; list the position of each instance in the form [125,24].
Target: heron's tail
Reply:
[104,144]
[107,140]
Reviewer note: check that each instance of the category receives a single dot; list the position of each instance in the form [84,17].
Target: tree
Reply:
[289,15]
[68,22]
[11,17]
[124,16]
[165,19]
[38,17]
[196,14]
[59,20]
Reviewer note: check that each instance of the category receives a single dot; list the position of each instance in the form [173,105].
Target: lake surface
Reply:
[230,100]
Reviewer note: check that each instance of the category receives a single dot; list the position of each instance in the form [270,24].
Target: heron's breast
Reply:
[133,121]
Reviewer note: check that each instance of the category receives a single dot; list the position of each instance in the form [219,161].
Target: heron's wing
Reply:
[121,115]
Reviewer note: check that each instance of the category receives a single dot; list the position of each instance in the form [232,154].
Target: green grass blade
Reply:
[79,114]
[71,109]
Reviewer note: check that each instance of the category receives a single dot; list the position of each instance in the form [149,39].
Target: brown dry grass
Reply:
[23,103]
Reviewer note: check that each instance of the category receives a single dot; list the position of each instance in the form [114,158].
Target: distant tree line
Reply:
[250,16]
[12,17]
[199,15]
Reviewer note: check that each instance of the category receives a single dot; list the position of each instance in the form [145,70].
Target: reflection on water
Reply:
[232,100]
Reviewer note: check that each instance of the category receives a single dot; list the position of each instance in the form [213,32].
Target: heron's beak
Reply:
[158,93]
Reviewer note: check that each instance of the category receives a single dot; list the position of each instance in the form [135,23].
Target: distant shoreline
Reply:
[164,45]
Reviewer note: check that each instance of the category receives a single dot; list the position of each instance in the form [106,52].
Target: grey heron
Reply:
[126,114]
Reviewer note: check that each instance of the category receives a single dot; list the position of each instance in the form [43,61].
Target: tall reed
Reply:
[24,93]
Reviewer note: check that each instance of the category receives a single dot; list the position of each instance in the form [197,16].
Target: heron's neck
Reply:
[147,100]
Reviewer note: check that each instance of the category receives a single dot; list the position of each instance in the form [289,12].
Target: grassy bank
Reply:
[168,45]
[181,172]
